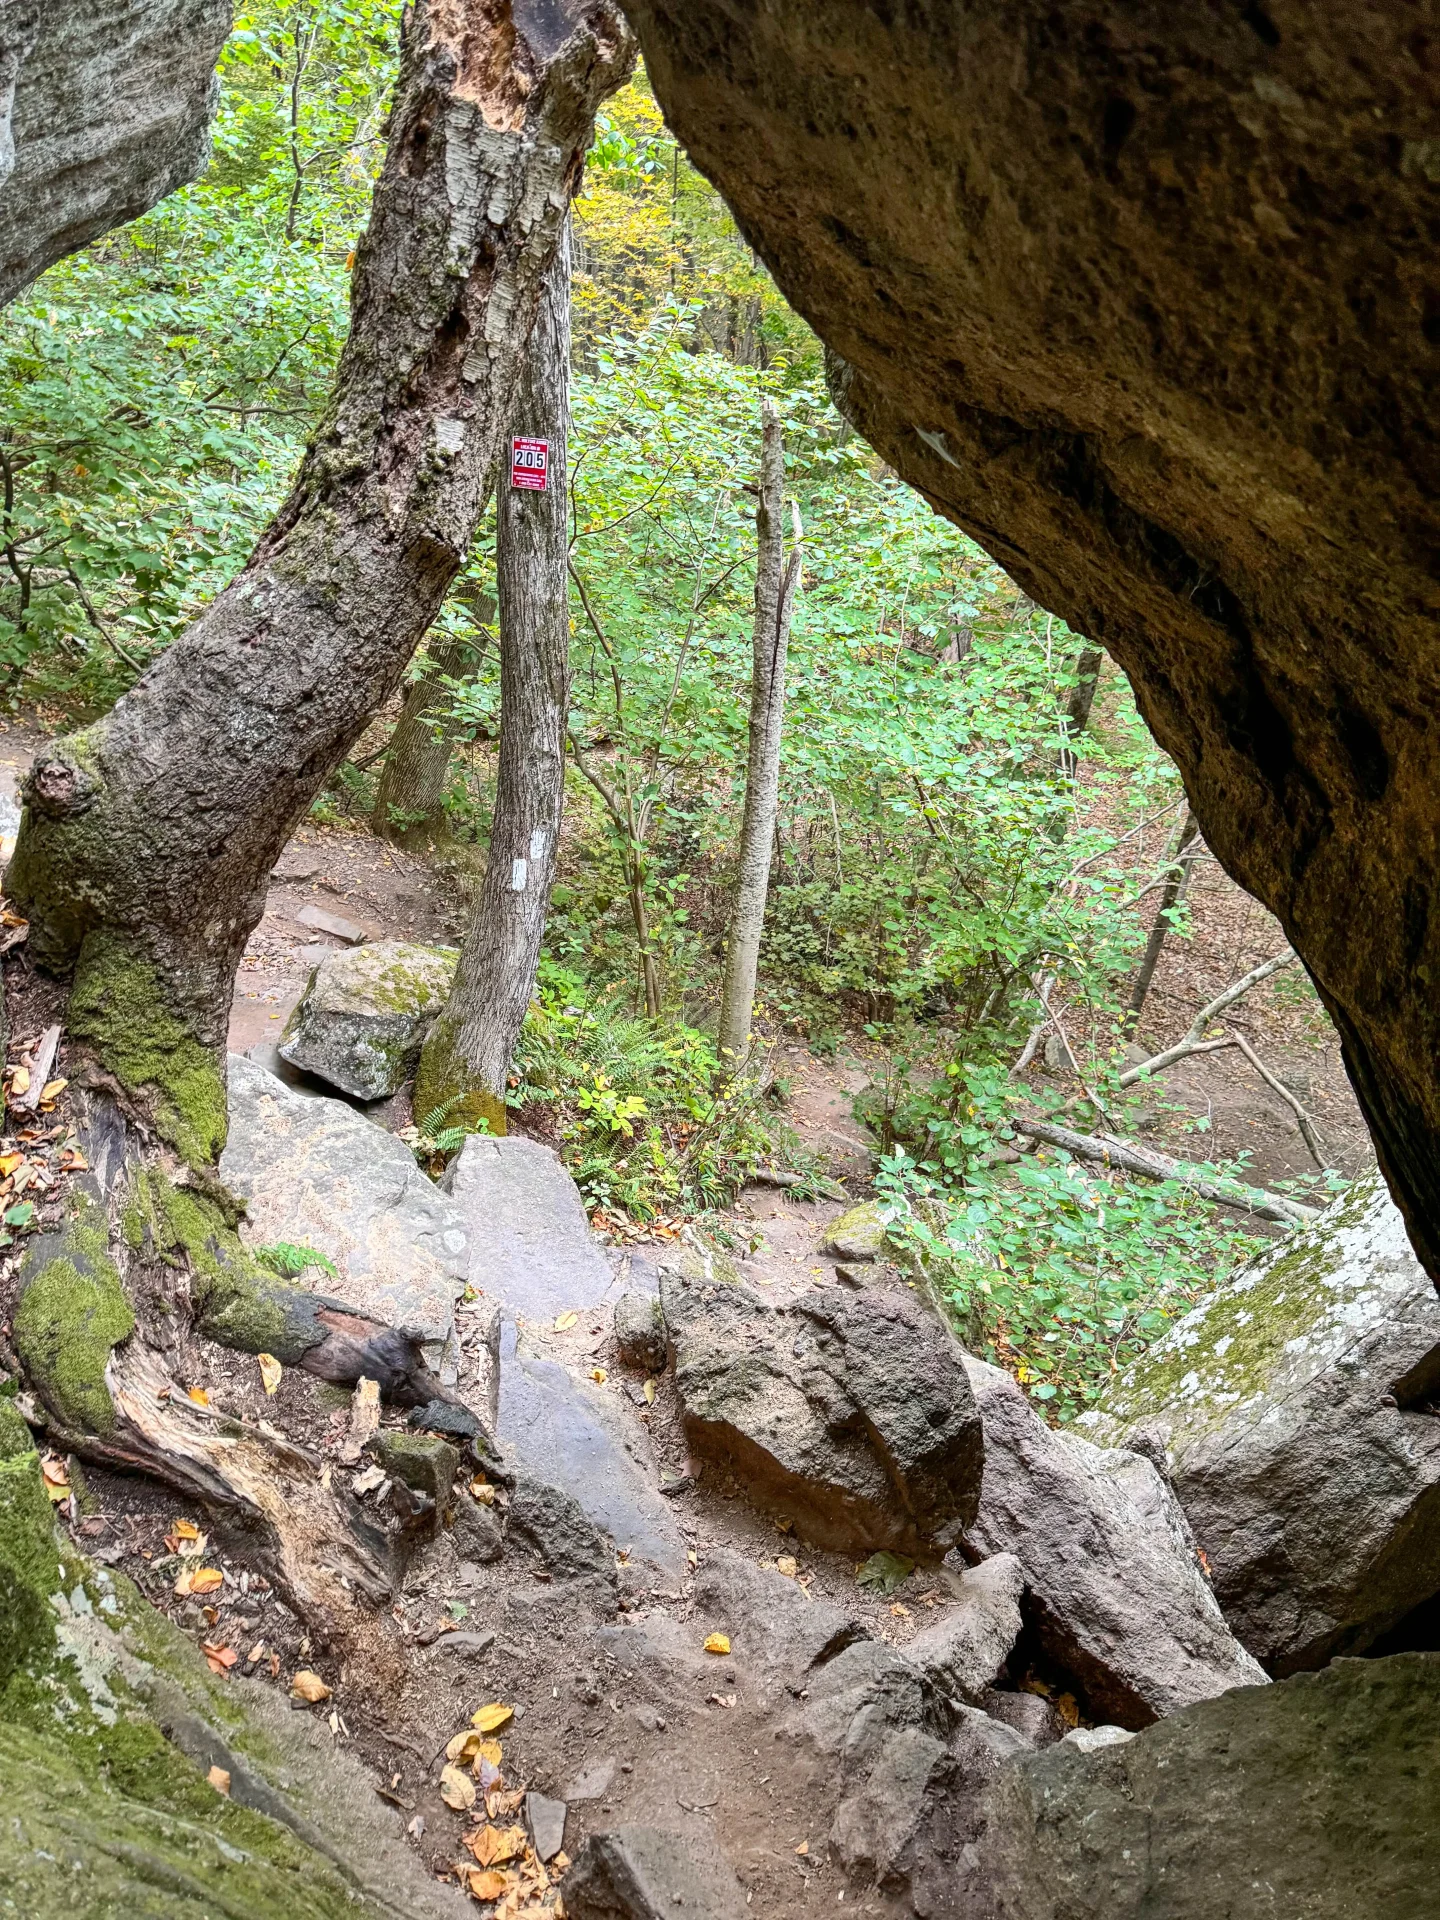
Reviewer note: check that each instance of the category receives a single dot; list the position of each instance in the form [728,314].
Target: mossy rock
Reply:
[424,1462]
[363,1016]
[858,1234]
[29,1560]
[72,1315]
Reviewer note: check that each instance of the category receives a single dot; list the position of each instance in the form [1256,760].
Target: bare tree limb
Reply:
[1190,1042]
[1276,1085]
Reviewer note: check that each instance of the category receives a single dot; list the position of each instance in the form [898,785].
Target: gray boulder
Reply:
[531,1248]
[778,1636]
[315,1173]
[363,1017]
[858,1234]
[649,1873]
[104,109]
[848,1411]
[1291,1412]
[554,1526]
[1115,1588]
[1315,1796]
[964,1652]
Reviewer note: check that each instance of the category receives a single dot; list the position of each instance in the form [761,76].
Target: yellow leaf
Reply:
[486,1884]
[219,1779]
[804,1847]
[492,1845]
[786,1565]
[464,1746]
[198,1395]
[457,1789]
[185,1530]
[482,1491]
[490,1719]
[564,1321]
[309,1686]
[182,1584]
[271,1371]
[20,1080]
[649,1393]
[206,1579]
[598,1375]
[717,1643]
[9,1162]
[488,1753]
[53,1089]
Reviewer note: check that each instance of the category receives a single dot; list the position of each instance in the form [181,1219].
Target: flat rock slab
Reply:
[362,1019]
[315,1173]
[1290,1411]
[1315,1796]
[1115,1589]
[531,1248]
[335,924]
[564,1433]
[849,1411]
[649,1873]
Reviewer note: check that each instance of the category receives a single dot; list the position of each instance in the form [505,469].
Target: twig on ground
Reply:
[46,1049]
[1193,1042]
[1306,1124]
[1153,1165]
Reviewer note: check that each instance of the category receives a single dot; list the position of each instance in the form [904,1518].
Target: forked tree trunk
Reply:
[467,1055]
[776,582]
[417,758]
[147,838]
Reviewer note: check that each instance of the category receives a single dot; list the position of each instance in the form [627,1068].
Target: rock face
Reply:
[647,1873]
[104,109]
[1091,271]
[1314,1797]
[531,1248]
[1115,1590]
[850,1412]
[1292,1411]
[364,1015]
[315,1173]
[963,1653]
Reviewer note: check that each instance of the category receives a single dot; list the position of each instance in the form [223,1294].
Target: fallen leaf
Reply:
[221,1659]
[9,1162]
[53,1089]
[198,1395]
[490,1752]
[56,1476]
[786,1565]
[493,1845]
[366,1482]
[885,1571]
[804,1847]
[490,1719]
[649,1393]
[255,1652]
[1068,1710]
[482,1491]
[309,1686]
[457,1789]
[464,1746]
[717,1643]
[564,1321]
[185,1530]
[219,1779]
[900,1610]
[20,1080]
[598,1375]
[271,1371]
[559,1864]
[206,1579]
[486,1884]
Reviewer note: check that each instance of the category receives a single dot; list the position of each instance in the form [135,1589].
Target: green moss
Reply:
[444,1084]
[120,1008]
[72,1314]
[421,1460]
[29,1563]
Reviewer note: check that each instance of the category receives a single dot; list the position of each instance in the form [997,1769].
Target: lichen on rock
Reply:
[365,1013]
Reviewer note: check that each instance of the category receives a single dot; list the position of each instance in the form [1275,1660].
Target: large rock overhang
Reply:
[1146,298]
[105,107]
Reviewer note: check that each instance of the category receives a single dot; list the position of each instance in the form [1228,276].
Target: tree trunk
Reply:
[467,1057]
[417,759]
[1081,700]
[776,583]
[147,838]
[1186,848]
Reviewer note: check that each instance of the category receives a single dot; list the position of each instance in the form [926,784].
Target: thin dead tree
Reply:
[467,1056]
[776,584]
[1187,848]
[1077,706]
[147,838]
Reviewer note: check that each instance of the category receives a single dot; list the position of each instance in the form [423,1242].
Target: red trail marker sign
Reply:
[530,464]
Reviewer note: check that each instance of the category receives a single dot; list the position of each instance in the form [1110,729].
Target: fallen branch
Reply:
[1152,1165]
[1306,1124]
[1192,1041]
[44,1059]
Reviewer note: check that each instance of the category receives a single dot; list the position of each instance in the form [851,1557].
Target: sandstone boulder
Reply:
[1293,1413]
[1314,1797]
[363,1017]
[848,1411]
[1114,1585]
[315,1173]
[857,1234]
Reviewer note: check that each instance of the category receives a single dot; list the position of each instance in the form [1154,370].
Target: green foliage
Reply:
[287,1260]
[885,1572]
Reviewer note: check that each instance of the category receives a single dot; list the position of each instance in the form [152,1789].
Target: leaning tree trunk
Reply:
[467,1055]
[1187,847]
[775,588]
[417,756]
[147,838]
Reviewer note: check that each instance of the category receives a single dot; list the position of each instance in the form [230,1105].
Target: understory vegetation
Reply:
[955,855]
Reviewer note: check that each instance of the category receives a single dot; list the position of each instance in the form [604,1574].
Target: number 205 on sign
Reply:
[530,464]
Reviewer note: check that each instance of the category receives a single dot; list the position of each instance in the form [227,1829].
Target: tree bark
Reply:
[417,758]
[467,1056]
[1079,703]
[776,583]
[1186,848]
[147,838]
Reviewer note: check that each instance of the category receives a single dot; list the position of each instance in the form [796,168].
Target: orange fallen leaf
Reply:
[219,1779]
[53,1089]
[185,1530]
[457,1789]
[492,1845]
[309,1686]
[271,1371]
[804,1847]
[221,1659]
[490,1719]
[56,1476]
[198,1395]
[206,1579]
[485,1884]
[20,1080]
[598,1375]
[9,1162]
[717,1643]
